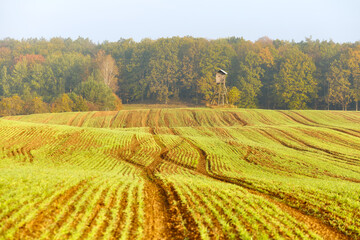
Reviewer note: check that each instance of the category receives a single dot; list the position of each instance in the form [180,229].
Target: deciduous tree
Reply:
[339,85]
[294,82]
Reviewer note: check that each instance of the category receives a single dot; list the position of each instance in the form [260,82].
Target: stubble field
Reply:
[181,174]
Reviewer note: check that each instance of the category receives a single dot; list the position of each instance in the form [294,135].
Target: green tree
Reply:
[135,70]
[97,93]
[187,69]
[214,55]
[354,66]
[80,104]
[249,80]
[20,79]
[4,82]
[339,85]
[294,82]
[234,95]
[164,69]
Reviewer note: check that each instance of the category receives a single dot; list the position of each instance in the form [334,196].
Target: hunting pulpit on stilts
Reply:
[220,96]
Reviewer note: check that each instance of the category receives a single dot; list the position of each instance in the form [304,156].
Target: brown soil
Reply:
[156,226]
[36,226]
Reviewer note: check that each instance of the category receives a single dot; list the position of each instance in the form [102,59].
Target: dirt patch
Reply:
[156,226]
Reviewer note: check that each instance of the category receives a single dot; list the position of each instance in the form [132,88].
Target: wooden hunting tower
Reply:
[220,96]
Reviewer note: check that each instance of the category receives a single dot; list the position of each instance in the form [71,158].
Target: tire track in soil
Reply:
[334,154]
[269,135]
[314,224]
[162,222]
[72,119]
[238,119]
[82,119]
[350,132]
[145,120]
[46,120]
[135,220]
[297,120]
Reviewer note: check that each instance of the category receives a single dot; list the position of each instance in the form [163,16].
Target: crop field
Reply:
[186,173]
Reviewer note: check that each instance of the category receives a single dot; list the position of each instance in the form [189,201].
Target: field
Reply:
[183,173]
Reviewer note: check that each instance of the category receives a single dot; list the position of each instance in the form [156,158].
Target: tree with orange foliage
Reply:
[36,105]
[31,59]
[62,104]
[108,69]
[11,106]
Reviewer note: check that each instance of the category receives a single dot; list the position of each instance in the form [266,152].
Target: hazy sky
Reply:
[111,20]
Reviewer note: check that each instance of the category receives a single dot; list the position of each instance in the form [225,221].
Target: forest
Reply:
[61,74]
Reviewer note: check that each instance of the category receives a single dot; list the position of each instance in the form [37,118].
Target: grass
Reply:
[83,175]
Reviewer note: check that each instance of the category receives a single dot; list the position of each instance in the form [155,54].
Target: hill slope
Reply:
[176,173]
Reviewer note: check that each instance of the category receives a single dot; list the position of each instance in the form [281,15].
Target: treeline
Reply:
[264,74]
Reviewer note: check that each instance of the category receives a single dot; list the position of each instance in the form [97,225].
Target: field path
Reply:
[156,211]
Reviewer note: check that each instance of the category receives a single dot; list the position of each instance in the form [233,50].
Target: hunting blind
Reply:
[220,96]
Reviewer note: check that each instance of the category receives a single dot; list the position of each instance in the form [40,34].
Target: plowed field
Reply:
[181,174]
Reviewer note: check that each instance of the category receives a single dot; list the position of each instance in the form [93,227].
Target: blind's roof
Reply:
[222,72]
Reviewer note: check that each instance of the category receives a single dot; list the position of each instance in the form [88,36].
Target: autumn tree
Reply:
[354,67]
[62,104]
[11,106]
[36,105]
[108,69]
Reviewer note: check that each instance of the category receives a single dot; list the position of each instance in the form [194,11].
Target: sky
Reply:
[111,20]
